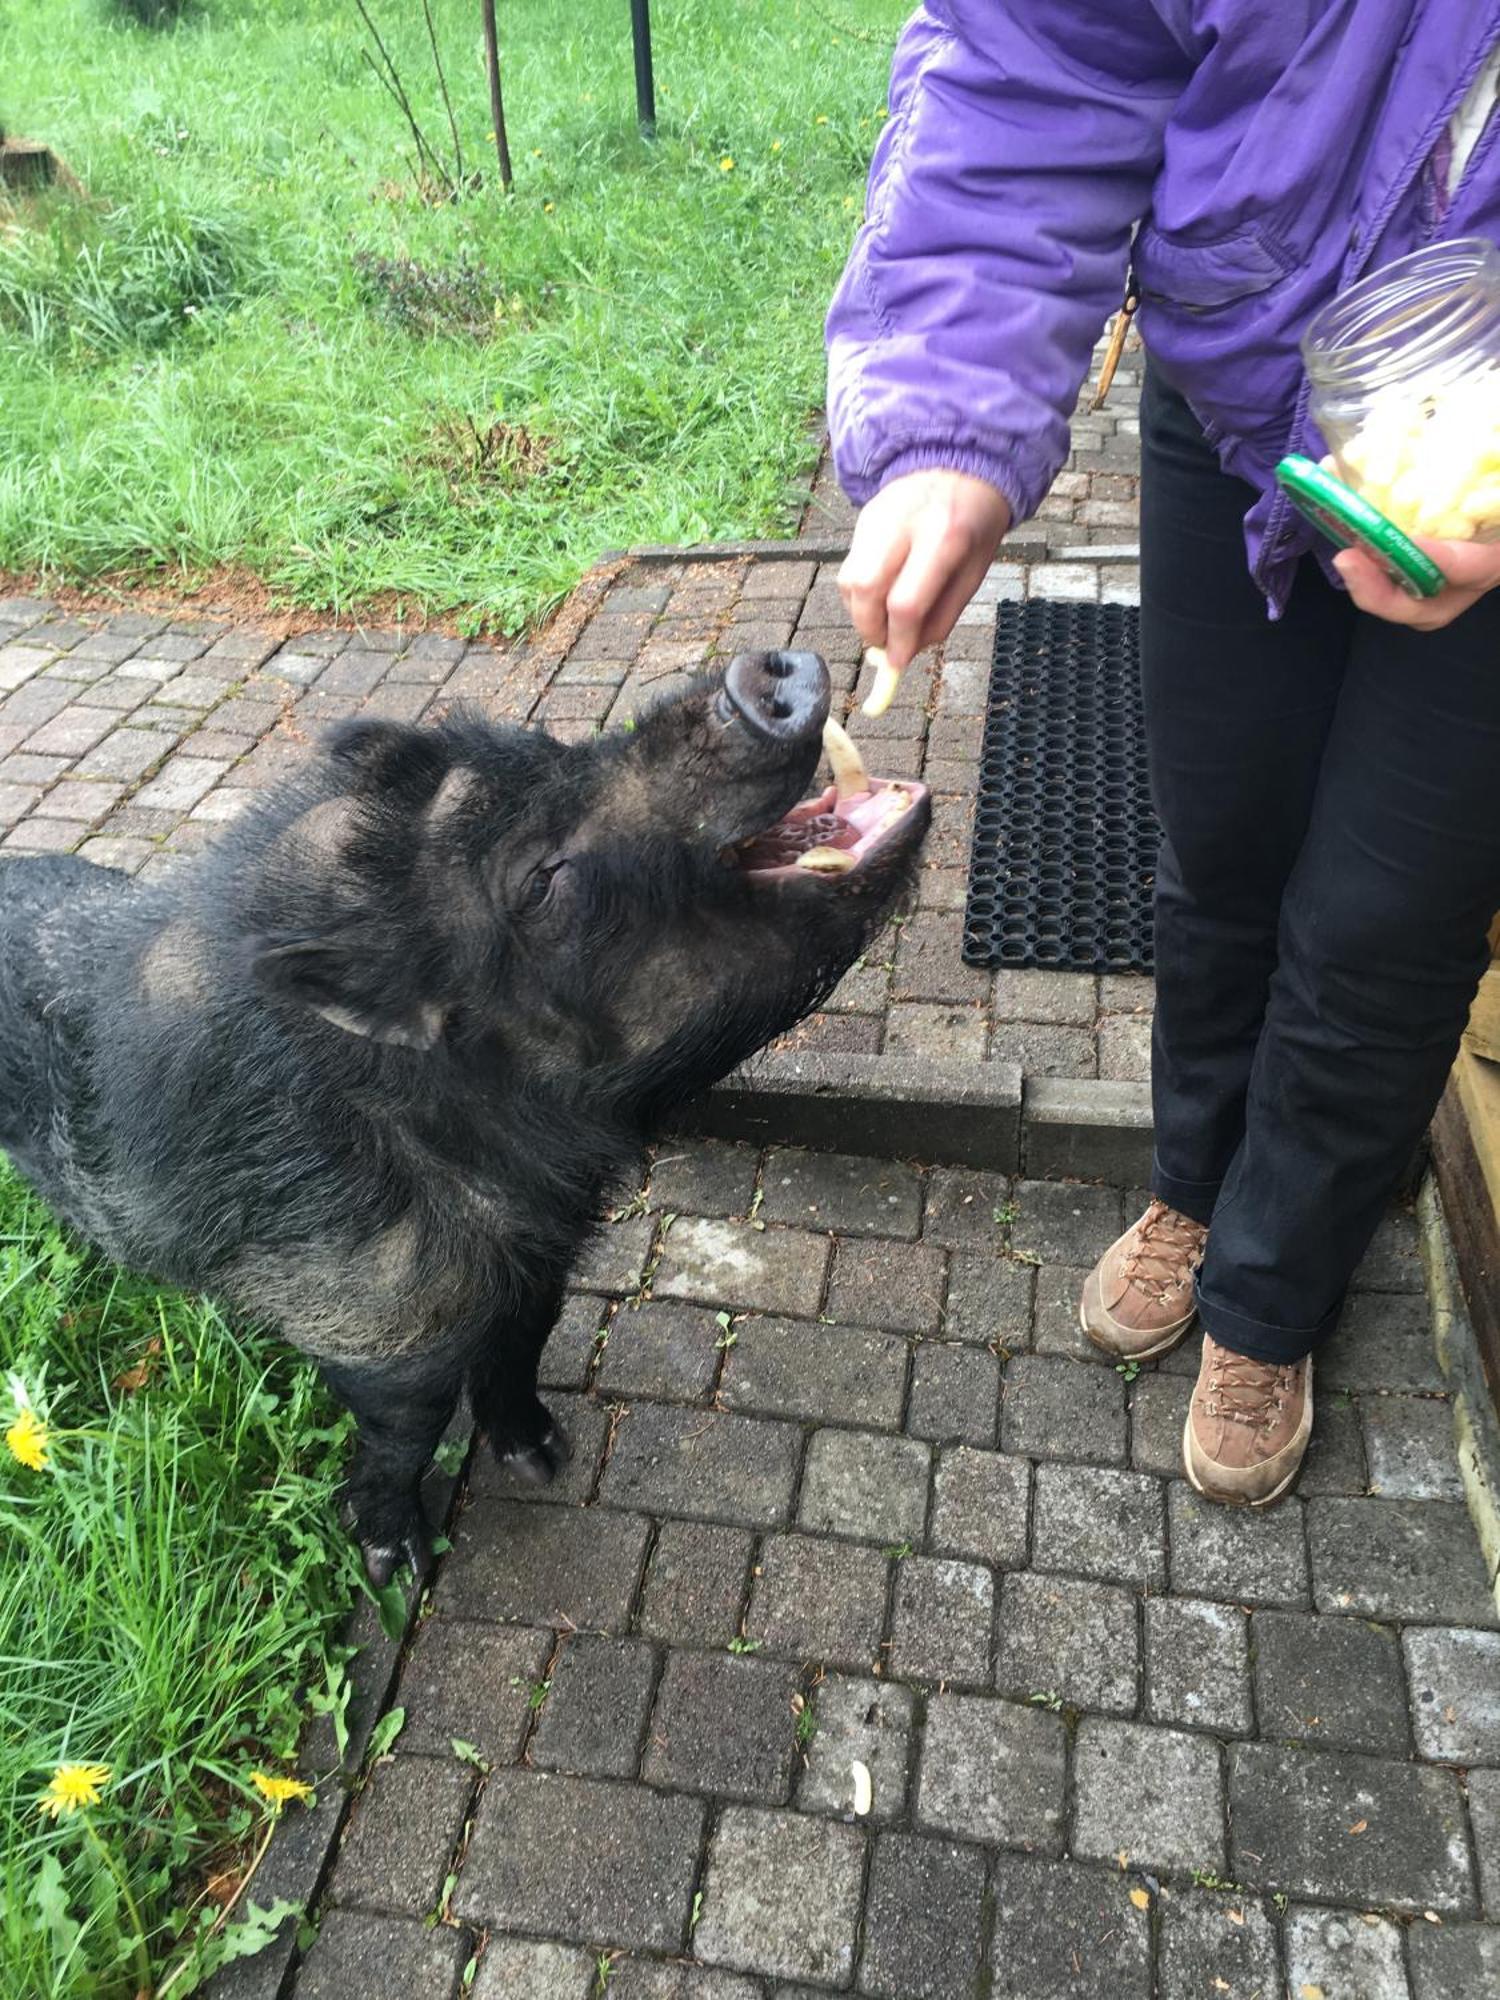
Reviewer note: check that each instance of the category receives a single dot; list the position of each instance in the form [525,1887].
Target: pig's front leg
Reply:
[403,1409]
[502,1390]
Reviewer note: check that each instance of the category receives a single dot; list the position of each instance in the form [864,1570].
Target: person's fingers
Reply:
[877,550]
[1467,565]
[935,559]
[1373,591]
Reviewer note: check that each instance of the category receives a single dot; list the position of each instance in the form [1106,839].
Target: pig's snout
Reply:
[782,696]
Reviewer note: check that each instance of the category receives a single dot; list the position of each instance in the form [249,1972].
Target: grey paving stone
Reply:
[924,1920]
[382,1958]
[895,1286]
[1457,1962]
[941,1623]
[573,1342]
[544,1566]
[1042,1050]
[1330,1680]
[1068,998]
[1347,1956]
[818,1600]
[1198,1665]
[616,1259]
[695,1583]
[1216,1945]
[724,1723]
[1063,1637]
[1058,1924]
[647,1979]
[703,1177]
[993,1771]
[1055,1408]
[989,1300]
[512,1967]
[1155,1793]
[580,1859]
[1158,1411]
[782,1896]
[858,1721]
[980,1506]
[1411,1447]
[937,1030]
[870,1487]
[704,1463]
[801,1369]
[1291,1812]
[469,1683]
[1248,1556]
[1484,1817]
[1055,1327]
[402,1833]
[1414,1560]
[1094,1521]
[660,1349]
[594,1716]
[750,1270]
[966,1209]
[1065,1222]
[1455,1693]
[1383,1342]
[1393,1262]
[837,1191]
[1335,1461]
[955,1394]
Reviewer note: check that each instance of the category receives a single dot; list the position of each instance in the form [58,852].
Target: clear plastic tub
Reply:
[1405,373]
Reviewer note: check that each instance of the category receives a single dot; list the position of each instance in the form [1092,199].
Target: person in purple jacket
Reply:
[1325,752]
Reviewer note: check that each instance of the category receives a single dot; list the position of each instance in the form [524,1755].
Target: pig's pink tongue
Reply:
[846,824]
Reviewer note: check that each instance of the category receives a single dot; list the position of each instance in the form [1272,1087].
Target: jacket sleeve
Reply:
[1023,142]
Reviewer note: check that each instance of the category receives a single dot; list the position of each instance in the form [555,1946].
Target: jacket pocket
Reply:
[1197,277]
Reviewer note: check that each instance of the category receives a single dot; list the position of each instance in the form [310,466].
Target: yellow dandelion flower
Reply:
[278,1791]
[72,1786]
[820,119]
[775,145]
[726,165]
[548,207]
[27,1440]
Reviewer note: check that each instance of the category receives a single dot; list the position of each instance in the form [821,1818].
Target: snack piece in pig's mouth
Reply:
[832,834]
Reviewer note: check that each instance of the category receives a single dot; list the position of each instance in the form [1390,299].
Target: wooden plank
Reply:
[1466,1160]
[1483,1032]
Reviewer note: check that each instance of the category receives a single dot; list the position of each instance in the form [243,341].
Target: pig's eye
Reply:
[538,887]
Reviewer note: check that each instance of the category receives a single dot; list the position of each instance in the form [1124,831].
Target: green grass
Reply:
[258,346]
[168,1586]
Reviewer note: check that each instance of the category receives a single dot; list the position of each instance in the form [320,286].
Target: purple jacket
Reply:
[1278,149]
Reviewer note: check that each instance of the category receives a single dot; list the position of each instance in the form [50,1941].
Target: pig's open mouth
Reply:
[839,831]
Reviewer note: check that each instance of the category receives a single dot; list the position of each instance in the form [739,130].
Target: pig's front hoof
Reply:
[536,1464]
[384,1558]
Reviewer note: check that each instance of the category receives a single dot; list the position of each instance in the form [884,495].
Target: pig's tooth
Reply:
[826,861]
[887,680]
[849,778]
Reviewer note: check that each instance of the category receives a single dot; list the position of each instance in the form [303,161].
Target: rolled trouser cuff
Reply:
[1191,1198]
[1261,1341]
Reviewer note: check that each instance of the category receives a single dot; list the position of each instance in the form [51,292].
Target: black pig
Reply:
[366,1068]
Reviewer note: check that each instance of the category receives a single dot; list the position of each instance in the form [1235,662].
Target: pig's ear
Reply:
[384,757]
[324,977]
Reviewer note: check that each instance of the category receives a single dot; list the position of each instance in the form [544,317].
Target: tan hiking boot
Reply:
[1138,1299]
[1247,1426]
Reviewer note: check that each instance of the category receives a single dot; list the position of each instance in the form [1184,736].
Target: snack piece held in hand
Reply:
[1431,461]
[887,680]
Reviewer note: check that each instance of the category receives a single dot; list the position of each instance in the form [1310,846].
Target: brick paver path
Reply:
[850,1489]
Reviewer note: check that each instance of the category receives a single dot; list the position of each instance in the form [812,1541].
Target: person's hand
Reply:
[919,551]
[1471,568]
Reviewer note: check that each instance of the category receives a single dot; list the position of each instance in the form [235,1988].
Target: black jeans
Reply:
[1329,789]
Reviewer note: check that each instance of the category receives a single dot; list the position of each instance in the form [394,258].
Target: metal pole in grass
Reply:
[645,82]
[497,105]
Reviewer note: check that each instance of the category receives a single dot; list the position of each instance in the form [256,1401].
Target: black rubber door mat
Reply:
[1065,840]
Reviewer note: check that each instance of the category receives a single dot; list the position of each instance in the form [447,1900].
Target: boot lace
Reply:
[1246,1391]
[1168,1248]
